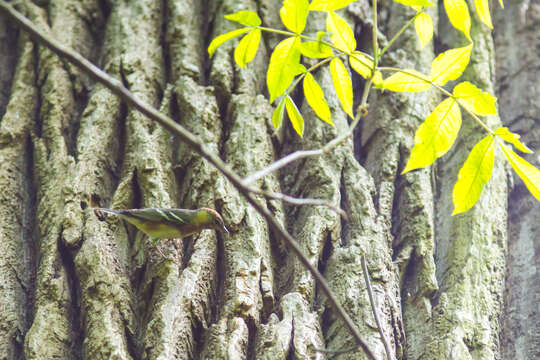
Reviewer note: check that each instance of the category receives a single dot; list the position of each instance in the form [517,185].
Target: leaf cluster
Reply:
[336,44]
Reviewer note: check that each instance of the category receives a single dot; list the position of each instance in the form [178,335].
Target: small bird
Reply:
[168,223]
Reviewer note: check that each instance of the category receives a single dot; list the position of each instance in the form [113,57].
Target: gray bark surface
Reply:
[74,287]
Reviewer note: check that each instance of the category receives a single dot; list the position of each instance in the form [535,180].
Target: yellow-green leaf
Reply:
[320,35]
[277,116]
[315,98]
[528,173]
[474,174]
[246,18]
[247,48]
[342,84]
[316,50]
[378,79]
[284,66]
[458,14]
[361,64]
[409,81]
[501,3]
[218,41]
[415,3]
[341,34]
[328,5]
[424,28]
[512,138]
[436,135]
[296,118]
[474,99]
[482,9]
[294,14]
[450,65]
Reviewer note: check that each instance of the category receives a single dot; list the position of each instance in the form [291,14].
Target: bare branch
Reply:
[117,88]
[300,154]
[374,309]
[299,201]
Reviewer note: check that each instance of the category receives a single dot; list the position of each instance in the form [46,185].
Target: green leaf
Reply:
[474,99]
[315,50]
[361,64]
[458,14]
[247,48]
[217,42]
[341,34]
[436,135]
[482,9]
[409,81]
[342,84]
[474,174]
[512,138]
[328,5]
[528,173]
[377,79]
[277,116]
[424,28]
[296,118]
[415,3]
[294,14]
[246,18]
[450,65]
[315,98]
[284,66]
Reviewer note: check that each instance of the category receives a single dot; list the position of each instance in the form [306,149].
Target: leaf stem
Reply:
[374,34]
[398,34]
[441,89]
[314,67]
[289,33]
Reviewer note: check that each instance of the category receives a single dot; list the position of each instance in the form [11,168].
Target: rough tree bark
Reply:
[72,287]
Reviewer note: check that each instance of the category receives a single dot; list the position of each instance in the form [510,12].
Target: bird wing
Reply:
[173,216]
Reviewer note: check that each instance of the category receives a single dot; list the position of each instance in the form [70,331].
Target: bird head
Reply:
[214,220]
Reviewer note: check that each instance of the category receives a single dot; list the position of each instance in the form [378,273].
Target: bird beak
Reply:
[225,229]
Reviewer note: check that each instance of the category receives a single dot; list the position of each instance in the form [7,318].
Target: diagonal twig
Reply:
[299,201]
[374,309]
[193,141]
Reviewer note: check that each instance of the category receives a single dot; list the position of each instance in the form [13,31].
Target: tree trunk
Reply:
[74,287]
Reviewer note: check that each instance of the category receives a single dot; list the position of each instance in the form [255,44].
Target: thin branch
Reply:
[117,88]
[300,154]
[299,201]
[395,37]
[387,348]
[389,354]
[374,37]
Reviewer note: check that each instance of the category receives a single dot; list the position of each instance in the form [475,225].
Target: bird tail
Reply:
[100,213]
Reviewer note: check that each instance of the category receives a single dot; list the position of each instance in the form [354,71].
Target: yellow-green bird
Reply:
[168,223]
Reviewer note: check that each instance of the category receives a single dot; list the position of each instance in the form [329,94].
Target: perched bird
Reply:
[168,223]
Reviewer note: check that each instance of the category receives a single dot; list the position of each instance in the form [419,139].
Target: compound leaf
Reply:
[218,41]
[245,17]
[450,65]
[474,174]
[247,48]
[296,118]
[436,135]
[342,84]
[315,98]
